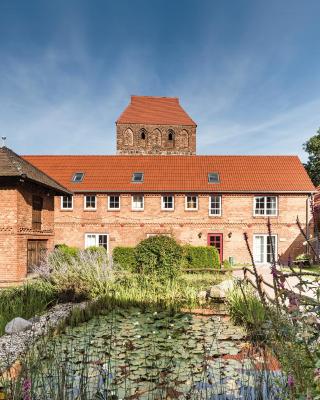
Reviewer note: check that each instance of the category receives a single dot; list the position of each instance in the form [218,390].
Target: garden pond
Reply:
[145,354]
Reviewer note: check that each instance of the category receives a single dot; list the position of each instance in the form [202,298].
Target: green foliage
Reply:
[201,257]
[303,257]
[67,252]
[124,258]
[160,256]
[25,301]
[85,276]
[227,264]
[312,147]
[245,308]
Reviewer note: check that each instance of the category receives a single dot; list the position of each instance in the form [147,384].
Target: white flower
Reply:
[169,337]
[155,313]
[136,323]
[171,325]
[138,336]
[154,332]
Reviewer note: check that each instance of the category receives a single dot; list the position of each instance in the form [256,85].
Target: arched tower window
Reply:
[170,135]
[128,137]
[143,134]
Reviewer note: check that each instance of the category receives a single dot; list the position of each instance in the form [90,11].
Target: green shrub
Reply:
[201,257]
[67,252]
[86,276]
[226,264]
[124,258]
[303,257]
[160,256]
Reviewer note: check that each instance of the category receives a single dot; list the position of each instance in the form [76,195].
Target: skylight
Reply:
[78,177]
[137,177]
[213,177]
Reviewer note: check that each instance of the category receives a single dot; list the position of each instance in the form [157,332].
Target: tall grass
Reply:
[25,301]
[245,308]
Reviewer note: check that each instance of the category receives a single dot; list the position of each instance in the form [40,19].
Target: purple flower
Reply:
[26,389]
[290,381]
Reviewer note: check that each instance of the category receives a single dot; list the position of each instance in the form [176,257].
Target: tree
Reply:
[312,147]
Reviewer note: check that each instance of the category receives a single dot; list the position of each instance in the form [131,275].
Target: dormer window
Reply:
[78,177]
[137,177]
[213,177]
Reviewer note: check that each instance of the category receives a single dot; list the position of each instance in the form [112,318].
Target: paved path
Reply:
[265,271]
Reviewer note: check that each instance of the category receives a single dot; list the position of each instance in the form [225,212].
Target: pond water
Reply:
[135,354]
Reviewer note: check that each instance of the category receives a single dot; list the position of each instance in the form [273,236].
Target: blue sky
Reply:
[247,71]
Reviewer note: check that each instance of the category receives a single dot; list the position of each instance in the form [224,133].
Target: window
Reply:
[263,246]
[78,177]
[137,202]
[167,202]
[191,202]
[96,239]
[37,205]
[265,206]
[213,177]
[90,202]
[215,205]
[114,202]
[143,134]
[170,135]
[66,202]
[137,177]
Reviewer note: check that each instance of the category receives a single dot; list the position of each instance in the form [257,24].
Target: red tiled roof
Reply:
[178,173]
[155,110]
[13,166]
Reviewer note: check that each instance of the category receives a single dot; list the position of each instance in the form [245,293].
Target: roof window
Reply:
[137,177]
[78,177]
[213,177]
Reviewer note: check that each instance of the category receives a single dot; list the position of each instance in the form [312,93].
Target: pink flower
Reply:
[290,381]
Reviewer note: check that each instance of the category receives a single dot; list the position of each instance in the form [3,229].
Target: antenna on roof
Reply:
[4,138]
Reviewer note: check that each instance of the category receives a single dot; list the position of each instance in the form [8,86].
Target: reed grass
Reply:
[25,301]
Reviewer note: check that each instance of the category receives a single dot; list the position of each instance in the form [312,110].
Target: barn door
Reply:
[37,250]
[216,240]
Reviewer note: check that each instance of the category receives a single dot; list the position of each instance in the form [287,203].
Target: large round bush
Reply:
[160,256]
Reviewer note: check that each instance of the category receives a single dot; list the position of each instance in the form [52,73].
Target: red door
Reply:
[216,240]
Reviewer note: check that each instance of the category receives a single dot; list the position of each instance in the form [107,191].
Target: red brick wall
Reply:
[16,228]
[127,228]
[156,141]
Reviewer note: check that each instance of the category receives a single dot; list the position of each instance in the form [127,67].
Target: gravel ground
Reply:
[13,346]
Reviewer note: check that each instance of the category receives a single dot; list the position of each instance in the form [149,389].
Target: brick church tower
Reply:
[155,125]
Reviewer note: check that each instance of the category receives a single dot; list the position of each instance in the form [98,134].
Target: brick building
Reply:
[156,184]
[26,215]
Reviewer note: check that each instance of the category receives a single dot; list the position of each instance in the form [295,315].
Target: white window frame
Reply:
[265,244]
[186,202]
[220,204]
[163,208]
[113,208]
[132,202]
[265,214]
[85,202]
[66,208]
[86,235]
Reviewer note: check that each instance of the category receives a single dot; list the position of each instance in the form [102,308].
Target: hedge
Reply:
[124,258]
[160,256]
[201,257]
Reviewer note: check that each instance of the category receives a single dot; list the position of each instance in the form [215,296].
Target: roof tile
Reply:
[155,110]
[178,173]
